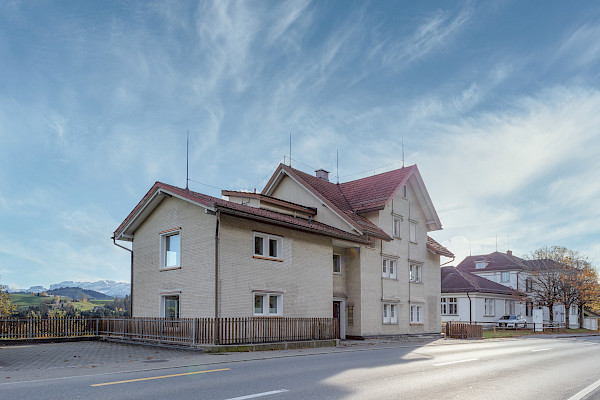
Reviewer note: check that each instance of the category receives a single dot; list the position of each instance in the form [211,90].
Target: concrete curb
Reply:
[270,346]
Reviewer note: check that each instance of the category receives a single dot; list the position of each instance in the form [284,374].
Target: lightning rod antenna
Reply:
[337,165]
[290,148]
[187,161]
[402,151]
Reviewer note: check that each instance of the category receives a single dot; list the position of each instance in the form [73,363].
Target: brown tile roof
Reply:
[373,192]
[456,280]
[438,248]
[332,193]
[244,211]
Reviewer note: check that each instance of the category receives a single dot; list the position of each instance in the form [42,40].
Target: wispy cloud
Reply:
[435,32]
[582,46]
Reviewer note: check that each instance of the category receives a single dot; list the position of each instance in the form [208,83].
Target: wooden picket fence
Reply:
[181,331]
[462,330]
[40,328]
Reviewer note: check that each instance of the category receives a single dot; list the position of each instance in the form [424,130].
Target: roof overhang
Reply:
[144,209]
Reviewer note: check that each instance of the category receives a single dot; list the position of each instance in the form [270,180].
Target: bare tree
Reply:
[563,276]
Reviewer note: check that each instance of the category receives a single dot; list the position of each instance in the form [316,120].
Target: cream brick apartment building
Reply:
[303,247]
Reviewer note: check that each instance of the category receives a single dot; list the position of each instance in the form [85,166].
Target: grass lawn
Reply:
[90,304]
[26,300]
[489,334]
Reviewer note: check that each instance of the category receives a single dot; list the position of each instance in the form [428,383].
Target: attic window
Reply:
[404,191]
[480,264]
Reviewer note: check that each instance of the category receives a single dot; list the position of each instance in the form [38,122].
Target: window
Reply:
[449,306]
[405,191]
[509,307]
[413,232]
[268,304]
[528,309]
[170,244]
[489,307]
[574,309]
[480,264]
[505,277]
[337,264]
[397,228]
[528,285]
[416,314]
[267,246]
[171,306]
[388,268]
[390,313]
[414,273]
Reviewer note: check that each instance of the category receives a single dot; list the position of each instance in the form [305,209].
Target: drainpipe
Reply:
[470,309]
[131,284]
[217,227]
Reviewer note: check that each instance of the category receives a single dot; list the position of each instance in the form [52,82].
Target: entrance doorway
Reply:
[339,311]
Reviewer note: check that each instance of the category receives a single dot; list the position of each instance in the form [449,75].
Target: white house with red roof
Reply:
[518,274]
[303,247]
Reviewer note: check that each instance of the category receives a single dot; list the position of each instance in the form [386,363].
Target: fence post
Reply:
[194,331]
[123,335]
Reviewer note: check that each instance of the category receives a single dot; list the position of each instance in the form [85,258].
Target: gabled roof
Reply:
[161,190]
[455,280]
[437,248]
[351,199]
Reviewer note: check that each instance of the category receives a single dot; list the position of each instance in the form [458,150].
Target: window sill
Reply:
[416,282]
[390,323]
[169,268]
[268,258]
[389,279]
[337,273]
[417,324]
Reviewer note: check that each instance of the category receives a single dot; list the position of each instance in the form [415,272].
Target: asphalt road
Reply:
[524,368]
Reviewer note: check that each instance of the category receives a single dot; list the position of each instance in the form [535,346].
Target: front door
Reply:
[338,312]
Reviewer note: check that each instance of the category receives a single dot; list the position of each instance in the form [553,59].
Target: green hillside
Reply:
[76,293]
[26,300]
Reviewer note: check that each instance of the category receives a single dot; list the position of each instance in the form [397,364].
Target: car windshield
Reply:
[505,317]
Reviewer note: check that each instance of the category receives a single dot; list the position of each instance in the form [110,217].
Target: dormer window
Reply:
[480,264]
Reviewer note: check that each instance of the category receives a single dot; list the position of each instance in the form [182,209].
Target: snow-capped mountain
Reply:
[111,288]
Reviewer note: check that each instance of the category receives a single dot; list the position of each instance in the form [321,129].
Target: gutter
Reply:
[131,284]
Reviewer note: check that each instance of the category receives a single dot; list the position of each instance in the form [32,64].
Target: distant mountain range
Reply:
[110,288]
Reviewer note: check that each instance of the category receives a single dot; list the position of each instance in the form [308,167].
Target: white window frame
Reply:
[389,268]
[267,241]
[480,264]
[413,231]
[404,191]
[574,308]
[337,264]
[163,304]
[266,311]
[164,236]
[390,313]
[416,314]
[397,226]
[503,274]
[448,305]
[415,273]
[489,308]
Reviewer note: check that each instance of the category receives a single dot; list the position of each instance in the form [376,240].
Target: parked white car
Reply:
[511,321]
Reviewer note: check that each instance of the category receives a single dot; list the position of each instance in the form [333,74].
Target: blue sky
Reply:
[498,103]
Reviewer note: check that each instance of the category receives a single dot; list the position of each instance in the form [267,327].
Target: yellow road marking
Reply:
[159,377]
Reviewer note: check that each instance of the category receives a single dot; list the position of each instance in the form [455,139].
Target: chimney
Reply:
[322,174]
[509,252]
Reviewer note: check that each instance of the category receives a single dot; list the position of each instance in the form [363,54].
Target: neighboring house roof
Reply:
[437,248]
[161,190]
[351,199]
[589,313]
[497,261]
[455,280]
